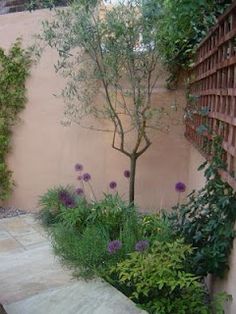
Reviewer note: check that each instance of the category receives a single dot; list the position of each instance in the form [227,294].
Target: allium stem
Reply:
[83,187]
[92,190]
[179,194]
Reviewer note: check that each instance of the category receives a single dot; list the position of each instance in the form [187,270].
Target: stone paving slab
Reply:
[32,281]
[25,273]
[93,297]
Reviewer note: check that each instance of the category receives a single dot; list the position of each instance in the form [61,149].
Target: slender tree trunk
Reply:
[133,161]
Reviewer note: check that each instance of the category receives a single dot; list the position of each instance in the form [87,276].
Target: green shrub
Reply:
[158,281]
[218,302]
[76,217]
[181,25]
[112,212]
[157,227]
[207,220]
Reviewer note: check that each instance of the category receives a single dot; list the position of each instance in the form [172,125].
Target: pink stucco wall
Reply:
[44,152]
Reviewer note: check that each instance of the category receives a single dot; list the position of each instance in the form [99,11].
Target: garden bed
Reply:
[140,255]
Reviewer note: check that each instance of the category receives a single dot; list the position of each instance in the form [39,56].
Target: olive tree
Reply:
[109,57]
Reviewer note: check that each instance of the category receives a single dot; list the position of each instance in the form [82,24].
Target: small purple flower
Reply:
[180,187]
[66,199]
[78,167]
[114,246]
[70,202]
[127,173]
[79,191]
[62,194]
[142,245]
[113,185]
[86,177]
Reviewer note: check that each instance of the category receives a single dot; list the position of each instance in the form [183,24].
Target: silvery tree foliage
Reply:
[108,55]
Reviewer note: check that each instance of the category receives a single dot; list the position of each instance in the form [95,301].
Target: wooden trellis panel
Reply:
[9,6]
[213,92]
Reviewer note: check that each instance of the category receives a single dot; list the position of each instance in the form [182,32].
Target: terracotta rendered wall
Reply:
[196,178]
[44,152]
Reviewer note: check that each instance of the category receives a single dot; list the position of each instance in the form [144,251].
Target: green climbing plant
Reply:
[181,25]
[40,4]
[14,70]
[207,220]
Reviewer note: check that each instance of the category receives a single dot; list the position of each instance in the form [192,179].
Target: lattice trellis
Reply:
[212,92]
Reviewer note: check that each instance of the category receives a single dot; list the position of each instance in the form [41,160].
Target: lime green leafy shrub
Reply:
[157,227]
[14,70]
[158,280]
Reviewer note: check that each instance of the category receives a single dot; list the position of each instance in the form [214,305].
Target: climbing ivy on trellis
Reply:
[40,4]
[14,70]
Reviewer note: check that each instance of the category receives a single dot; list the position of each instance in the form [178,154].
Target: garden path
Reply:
[32,281]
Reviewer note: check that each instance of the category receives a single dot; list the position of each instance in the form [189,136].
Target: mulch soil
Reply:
[10,212]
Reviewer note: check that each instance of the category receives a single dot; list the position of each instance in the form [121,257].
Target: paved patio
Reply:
[32,281]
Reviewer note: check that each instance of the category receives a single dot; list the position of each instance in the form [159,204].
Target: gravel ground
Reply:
[10,212]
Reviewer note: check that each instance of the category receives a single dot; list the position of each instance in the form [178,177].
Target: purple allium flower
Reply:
[78,167]
[114,246]
[62,194]
[86,177]
[142,245]
[79,191]
[180,187]
[66,199]
[127,173]
[70,202]
[113,185]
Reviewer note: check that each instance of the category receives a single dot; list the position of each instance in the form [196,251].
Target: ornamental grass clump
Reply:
[85,251]
[55,201]
[66,199]
[96,235]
